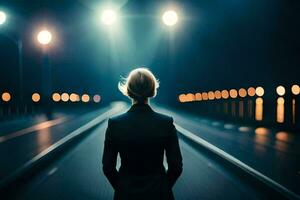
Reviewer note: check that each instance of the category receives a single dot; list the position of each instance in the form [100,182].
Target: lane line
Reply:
[33,128]
[270,182]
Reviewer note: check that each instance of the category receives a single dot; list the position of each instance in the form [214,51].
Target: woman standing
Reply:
[141,136]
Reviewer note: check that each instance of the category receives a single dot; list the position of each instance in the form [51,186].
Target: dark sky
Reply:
[217,45]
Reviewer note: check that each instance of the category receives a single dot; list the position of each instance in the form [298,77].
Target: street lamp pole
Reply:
[20,63]
[44,37]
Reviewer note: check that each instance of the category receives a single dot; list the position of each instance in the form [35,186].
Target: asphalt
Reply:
[78,175]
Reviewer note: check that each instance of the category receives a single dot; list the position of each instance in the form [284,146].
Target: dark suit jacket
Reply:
[141,136]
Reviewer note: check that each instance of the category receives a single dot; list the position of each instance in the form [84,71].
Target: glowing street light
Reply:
[109,17]
[170,18]
[44,37]
[2,17]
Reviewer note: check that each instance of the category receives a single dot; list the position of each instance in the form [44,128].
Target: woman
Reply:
[141,136]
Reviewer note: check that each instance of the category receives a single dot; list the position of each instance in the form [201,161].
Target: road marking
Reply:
[52,171]
[268,181]
[36,127]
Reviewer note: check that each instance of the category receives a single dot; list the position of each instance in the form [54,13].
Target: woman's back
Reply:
[141,136]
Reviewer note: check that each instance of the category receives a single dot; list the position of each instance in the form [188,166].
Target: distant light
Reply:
[65,97]
[198,97]
[295,89]
[109,17]
[242,92]
[218,94]
[2,17]
[251,91]
[190,97]
[244,129]
[259,109]
[97,98]
[170,18]
[56,97]
[182,98]
[73,97]
[280,100]
[259,101]
[36,97]
[280,90]
[211,95]
[6,97]
[284,136]
[260,91]
[85,98]
[44,37]
[233,93]
[225,94]
[204,96]
[262,131]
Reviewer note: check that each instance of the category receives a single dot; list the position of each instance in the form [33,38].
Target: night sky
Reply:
[217,44]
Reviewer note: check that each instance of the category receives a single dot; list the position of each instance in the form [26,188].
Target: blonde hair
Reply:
[139,85]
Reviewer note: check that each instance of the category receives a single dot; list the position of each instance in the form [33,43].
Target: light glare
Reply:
[170,18]
[280,90]
[2,17]
[109,17]
[44,37]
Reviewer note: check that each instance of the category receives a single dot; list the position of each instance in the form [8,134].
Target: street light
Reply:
[108,17]
[2,17]
[170,18]
[44,37]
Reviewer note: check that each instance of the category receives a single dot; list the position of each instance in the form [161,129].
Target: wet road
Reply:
[28,139]
[274,153]
[78,175]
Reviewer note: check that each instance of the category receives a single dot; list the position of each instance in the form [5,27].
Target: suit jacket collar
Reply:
[140,107]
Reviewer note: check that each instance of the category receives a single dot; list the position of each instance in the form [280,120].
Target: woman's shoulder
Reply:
[156,115]
[164,117]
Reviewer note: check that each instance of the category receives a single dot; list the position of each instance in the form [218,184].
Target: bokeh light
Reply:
[36,97]
[56,97]
[218,94]
[233,93]
[251,91]
[182,98]
[262,131]
[44,37]
[85,98]
[109,17]
[2,17]
[242,92]
[295,89]
[97,98]
[280,90]
[280,100]
[225,94]
[211,95]
[65,97]
[190,97]
[73,97]
[259,101]
[170,18]
[6,97]
[260,91]
[198,97]
[204,96]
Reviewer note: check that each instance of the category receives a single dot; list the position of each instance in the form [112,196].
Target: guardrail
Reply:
[54,149]
[279,190]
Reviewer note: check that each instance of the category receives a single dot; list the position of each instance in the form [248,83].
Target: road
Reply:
[78,175]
